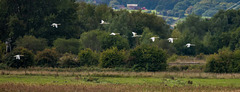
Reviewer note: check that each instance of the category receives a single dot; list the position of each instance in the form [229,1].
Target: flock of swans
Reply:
[134,34]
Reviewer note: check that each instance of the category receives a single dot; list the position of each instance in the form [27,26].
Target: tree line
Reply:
[81,37]
[175,8]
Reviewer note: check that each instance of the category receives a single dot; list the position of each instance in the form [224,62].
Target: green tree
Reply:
[92,39]
[146,35]
[235,39]
[114,41]
[120,23]
[90,15]
[35,18]
[47,58]
[67,45]
[148,58]
[111,58]
[87,58]
[26,58]
[31,43]
[193,30]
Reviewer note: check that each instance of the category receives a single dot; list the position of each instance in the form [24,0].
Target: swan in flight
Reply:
[18,56]
[153,38]
[189,45]
[55,25]
[103,22]
[115,34]
[171,39]
[135,34]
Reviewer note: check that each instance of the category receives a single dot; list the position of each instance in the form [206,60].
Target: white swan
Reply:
[103,22]
[115,34]
[18,56]
[189,45]
[135,34]
[153,38]
[55,25]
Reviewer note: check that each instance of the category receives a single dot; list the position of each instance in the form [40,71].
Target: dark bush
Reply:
[114,41]
[68,61]
[26,58]
[148,58]
[32,43]
[112,58]
[2,50]
[87,58]
[67,45]
[173,69]
[47,58]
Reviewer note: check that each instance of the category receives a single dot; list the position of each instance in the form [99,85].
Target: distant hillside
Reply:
[176,8]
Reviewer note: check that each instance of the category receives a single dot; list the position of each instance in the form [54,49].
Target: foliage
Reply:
[87,57]
[35,18]
[32,43]
[172,58]
[92,39]
[148,58]
[112,57]
[114,41]
[68,61]
[90,15]
[67,45]
[26,58]
[225,61]
[47,58]
[192,30]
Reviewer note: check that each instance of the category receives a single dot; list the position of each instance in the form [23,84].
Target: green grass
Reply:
[217,82]
[36,79]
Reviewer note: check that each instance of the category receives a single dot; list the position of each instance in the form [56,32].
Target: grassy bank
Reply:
[69,80]
[34,79]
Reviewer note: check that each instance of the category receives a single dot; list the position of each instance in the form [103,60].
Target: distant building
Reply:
[133,6]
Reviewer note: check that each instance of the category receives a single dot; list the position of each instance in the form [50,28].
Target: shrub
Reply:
[235,64]
[148,58]
[112,58]
[225,61]
[87,58]
[68,60]
[173,68]
[200,56]
[2,50]
[47,58]
[32,43]
[173,58]
[67,45]
[25,61]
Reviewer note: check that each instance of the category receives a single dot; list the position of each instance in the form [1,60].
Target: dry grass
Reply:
[10,87]
[128,74]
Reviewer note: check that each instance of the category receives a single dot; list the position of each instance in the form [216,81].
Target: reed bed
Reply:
[11,87]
